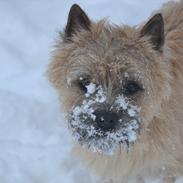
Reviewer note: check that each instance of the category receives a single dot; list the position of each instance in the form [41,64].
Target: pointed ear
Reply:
[154,29]
[77,19]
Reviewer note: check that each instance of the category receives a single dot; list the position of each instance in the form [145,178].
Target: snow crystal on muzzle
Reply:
[82,120]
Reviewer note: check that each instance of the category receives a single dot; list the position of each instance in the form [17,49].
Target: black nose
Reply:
[106,121]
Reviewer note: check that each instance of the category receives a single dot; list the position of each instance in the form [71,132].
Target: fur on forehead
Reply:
[112,46]
[106,44]
[105,35]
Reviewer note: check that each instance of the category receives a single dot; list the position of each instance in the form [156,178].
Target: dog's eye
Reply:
[132,88]
[83,82]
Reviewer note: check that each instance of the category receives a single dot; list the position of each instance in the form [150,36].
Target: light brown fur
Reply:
[158,151]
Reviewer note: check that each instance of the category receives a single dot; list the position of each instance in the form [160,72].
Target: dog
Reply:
[121,88]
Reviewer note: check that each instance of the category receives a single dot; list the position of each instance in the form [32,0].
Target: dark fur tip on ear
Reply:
[77,19]
[154,29]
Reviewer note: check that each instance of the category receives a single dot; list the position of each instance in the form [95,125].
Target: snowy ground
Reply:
[33,139]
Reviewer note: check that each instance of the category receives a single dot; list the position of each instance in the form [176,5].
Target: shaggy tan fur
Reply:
[158,152]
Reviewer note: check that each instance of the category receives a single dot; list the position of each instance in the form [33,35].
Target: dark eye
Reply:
[132,88]
[83,82]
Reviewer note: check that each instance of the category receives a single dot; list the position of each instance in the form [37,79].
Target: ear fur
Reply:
[154,29]
[77,20]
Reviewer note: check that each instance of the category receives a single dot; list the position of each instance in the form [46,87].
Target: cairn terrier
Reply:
[122,90]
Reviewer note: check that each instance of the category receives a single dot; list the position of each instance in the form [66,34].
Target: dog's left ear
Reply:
[77,20]
[154,29]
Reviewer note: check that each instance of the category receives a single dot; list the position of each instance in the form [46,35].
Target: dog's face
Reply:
[112,80]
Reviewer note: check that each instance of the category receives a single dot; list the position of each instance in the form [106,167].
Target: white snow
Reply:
[132,110]
[91,88]
[121,102]
[86,108]
[34,142]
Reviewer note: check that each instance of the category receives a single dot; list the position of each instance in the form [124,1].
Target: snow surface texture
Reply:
[34,143]
[84,128]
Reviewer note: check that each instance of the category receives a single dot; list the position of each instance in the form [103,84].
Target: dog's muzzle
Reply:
[103,130]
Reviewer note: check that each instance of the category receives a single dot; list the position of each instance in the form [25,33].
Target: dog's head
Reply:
[111,79]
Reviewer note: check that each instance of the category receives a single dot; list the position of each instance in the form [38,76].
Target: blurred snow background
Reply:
[34,142]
